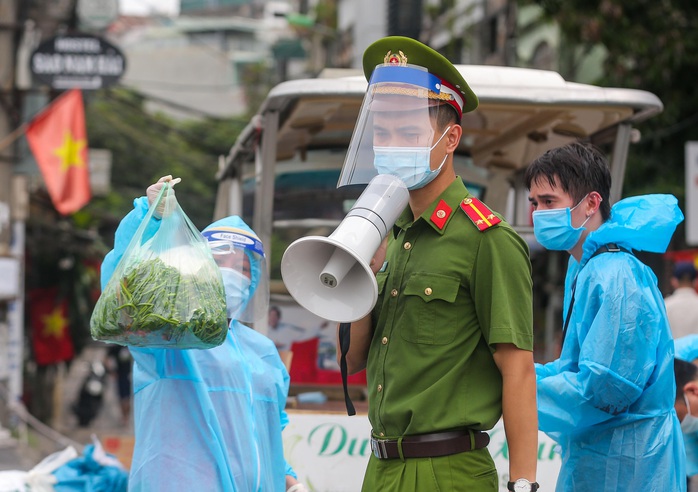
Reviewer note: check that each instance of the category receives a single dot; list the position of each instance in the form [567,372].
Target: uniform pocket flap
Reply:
[432,286]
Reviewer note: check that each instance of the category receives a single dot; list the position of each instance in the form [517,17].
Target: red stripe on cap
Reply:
[454,102]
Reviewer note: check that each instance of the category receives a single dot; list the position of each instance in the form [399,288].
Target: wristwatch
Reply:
[522,485]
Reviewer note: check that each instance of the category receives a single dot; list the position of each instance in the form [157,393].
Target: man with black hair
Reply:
[686,406]
[607,400]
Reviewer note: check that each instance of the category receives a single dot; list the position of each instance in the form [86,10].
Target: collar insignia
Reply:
[441,214]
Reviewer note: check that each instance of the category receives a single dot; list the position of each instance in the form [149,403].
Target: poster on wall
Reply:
[311,339]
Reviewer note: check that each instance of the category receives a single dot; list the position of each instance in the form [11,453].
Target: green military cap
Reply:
[400,50]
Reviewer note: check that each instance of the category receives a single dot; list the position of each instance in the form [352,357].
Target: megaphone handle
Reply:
[344,336]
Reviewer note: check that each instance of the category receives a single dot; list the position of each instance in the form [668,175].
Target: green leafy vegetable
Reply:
[153,304]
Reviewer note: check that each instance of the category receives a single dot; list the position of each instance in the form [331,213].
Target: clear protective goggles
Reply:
[238,250]
[400,109]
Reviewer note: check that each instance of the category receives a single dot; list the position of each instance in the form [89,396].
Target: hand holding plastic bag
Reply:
[169,202]
[167,290]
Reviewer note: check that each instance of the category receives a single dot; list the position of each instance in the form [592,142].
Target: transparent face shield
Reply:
[400,110]
[240,258]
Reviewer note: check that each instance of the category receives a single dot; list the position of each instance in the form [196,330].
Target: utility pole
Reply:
[8,121]
[8,116]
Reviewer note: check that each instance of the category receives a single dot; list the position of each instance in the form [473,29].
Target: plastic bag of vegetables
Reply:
[166,290]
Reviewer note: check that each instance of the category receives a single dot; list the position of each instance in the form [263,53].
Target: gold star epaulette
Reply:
[482,217]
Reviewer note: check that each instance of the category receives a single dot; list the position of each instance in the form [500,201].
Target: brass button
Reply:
[385,340]
[407,245]
[381,434]
[393,293]
[428,291]
[380,388]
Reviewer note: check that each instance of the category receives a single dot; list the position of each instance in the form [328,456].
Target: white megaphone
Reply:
[331,276]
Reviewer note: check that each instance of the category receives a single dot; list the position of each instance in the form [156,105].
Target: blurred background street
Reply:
[37,441]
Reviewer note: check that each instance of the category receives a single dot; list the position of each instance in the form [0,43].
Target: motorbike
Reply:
[91,395]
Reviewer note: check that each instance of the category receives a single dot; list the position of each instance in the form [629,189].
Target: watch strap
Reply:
[534,486]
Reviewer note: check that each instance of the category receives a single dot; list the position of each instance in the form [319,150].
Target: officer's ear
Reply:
[453,137]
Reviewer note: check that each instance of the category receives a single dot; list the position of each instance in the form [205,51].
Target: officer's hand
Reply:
[293,485]
[299,487]
[379,257]
[154,189]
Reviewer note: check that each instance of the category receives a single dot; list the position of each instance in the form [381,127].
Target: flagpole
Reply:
[14,135]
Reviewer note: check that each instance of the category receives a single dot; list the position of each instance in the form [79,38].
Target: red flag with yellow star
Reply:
[51,339]
[58,140]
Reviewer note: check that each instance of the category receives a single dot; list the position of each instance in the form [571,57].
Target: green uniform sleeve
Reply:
[502,288]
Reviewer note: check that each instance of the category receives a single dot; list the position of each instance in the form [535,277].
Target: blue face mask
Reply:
[553,228]
[689,424]
[237,290]
[410,164]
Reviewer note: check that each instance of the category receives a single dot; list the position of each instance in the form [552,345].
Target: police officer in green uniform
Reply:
[448,346]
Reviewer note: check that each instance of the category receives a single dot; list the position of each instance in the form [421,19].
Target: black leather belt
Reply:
[429,445]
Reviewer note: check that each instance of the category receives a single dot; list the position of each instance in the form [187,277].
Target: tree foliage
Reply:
[145,147]
[651,45]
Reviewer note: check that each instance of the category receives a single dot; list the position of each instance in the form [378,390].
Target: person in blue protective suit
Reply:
[686,350]
[211,419]
[608,400]
[686,406]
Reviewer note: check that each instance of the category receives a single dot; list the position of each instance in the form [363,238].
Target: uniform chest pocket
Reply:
[430,315]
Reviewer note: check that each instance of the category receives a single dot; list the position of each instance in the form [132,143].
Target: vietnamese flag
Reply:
[48,313]
[58,140]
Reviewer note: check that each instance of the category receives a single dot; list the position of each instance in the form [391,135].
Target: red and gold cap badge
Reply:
[398,59]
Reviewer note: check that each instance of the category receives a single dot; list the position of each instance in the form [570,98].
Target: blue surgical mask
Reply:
[237,290]
[689,424]
[553,228]
[410,164]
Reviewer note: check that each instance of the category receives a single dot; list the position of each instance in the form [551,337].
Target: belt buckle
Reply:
[378,448]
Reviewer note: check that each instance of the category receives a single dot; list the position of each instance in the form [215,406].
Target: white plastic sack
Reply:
[40,478]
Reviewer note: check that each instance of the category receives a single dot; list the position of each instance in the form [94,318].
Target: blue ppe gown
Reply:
[686,348]
[609,399]
[206,419]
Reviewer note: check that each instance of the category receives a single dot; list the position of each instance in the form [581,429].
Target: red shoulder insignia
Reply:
[441,214]
[482,217]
